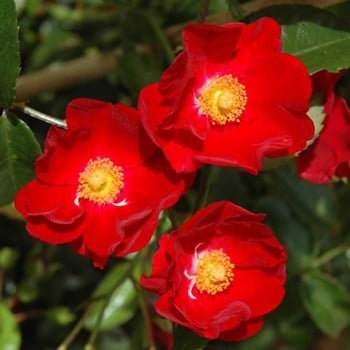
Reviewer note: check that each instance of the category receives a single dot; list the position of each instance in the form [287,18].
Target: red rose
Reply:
[100,185]
[329,155]
[219,273]
[230,98]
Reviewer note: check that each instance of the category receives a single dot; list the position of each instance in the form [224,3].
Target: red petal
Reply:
[138,234]
[165,307]
[102,231]
[52,233]
[218,212]
[243,331]
[221,311]
[55,203]
[319,162]
[104,131]
[325,81]
[79,247]
[247,282]
[203,40]
[278,79]
[171,77]
[65,156]
[261,35]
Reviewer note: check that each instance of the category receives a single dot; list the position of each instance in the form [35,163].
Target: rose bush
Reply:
[235,100]
[219,273]
[100,185]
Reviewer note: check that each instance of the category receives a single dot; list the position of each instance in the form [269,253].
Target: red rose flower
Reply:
[100,185]
[219,273]
[230,98]
[329,154]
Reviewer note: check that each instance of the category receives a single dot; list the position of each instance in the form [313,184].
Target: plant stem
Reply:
[92,339]
[330,254]
[175,222]
[146,316]
[93,336]
[41,116]
[158,31]
[74,332]
[2,278]
[206,178]
[203,10]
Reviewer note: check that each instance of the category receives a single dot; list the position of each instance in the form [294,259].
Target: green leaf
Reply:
[114,339]
[187,340]
[327,301]
[10,337]
[9,52]
[298,332]
[312,202]
[319,38]
[122,304]
[18,152]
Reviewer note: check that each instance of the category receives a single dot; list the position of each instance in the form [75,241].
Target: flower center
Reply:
[223,99]
[101,181]
[214,272]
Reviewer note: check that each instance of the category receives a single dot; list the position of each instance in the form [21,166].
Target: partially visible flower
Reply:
[100,185]
[230,98]
[329,154]
[219,273]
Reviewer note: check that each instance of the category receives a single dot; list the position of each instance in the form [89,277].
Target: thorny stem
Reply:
[330,254]
[41,116]
[203,10]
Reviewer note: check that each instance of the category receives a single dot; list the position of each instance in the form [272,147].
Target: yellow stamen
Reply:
[101,181]
[223,99]
[214,272]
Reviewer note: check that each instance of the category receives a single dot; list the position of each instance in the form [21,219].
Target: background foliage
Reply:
[109,50]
